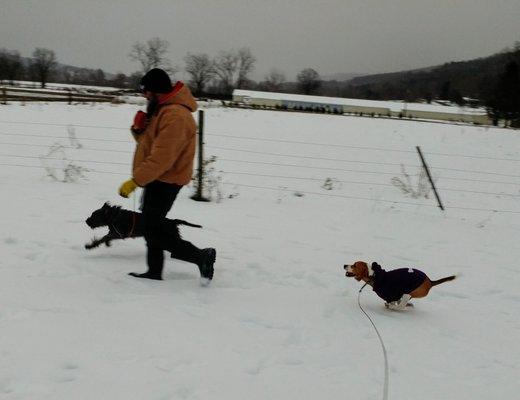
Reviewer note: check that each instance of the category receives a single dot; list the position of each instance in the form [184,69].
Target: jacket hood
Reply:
[181,95]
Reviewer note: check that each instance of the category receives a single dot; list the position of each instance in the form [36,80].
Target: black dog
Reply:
[123,224]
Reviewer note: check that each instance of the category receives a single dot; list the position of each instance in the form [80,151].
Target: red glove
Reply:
[139,122]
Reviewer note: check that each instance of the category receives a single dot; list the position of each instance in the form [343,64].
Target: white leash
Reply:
[385,387]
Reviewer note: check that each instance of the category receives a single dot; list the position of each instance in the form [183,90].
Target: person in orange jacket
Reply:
[163,163]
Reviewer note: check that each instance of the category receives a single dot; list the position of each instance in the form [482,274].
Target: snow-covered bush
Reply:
[421,189]
[211,181]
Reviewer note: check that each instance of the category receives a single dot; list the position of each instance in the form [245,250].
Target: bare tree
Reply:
[308,81]
[68,75]
[97,77]
[200,69]
[233,67]
[246,65]
[152,54]
[273,81]
[4,59]
[225,66]
[133,80]
[42,64]
[119,80]
[11,66]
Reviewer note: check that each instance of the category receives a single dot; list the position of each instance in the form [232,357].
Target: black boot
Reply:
[204,259]
[206,262]
[155,260]
[185,251]
[147,275]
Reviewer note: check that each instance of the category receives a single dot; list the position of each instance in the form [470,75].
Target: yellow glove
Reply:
[127,188]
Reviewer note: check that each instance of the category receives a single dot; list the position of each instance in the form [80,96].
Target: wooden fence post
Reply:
[200,173]
[429,177]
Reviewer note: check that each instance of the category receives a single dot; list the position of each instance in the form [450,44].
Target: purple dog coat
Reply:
[391,285]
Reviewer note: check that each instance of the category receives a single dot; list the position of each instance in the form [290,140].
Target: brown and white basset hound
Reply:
[397,286]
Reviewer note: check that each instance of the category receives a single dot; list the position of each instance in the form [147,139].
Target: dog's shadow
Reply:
[378,309]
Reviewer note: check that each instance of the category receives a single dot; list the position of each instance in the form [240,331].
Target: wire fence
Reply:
[254,157]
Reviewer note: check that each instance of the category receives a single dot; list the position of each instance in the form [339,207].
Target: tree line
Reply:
[39,67]
[492,82]
[220,75]
[208,76]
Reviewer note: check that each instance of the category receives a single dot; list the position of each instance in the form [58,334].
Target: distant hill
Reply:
[340,77]
[451,81]
[387,76]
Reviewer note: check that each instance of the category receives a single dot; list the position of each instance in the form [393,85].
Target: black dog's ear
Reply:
[106,205]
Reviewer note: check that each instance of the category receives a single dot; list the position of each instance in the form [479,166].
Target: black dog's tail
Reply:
[182,222]
[442,280]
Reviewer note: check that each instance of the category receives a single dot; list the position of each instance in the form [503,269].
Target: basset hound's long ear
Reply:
[362,267]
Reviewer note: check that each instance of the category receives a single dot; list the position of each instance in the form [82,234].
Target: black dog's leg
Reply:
[97,242]
[94,243]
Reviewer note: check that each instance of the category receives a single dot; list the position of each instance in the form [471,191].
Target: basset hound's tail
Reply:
[442,280]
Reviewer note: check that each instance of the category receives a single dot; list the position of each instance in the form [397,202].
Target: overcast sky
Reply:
[331,36]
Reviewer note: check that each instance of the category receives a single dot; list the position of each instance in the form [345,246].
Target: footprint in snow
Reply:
[66,373]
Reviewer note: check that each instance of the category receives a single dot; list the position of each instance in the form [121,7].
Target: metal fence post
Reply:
[200,174]
[429,177]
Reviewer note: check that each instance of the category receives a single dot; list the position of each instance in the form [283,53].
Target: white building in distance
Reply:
[374,108]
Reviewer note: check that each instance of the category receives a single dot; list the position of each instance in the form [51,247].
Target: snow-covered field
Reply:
[279,321]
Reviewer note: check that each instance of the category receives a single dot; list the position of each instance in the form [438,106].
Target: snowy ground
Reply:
[279,321]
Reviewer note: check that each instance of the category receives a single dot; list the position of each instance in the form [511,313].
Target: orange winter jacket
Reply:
[166,148]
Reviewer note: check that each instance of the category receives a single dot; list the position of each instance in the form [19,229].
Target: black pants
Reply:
[158,199]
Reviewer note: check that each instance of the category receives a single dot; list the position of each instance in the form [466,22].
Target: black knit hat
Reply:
[156,80]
